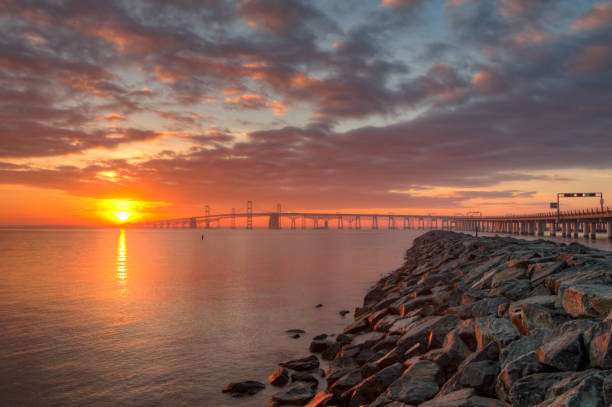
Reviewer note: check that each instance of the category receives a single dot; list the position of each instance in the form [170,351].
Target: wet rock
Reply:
[320,345]
[305,377]
[298,394]
[373,296]
[564,352]
[357,327]
[386,322]
[366,340]
[321,399]
[588,300]
[246,388]
[418,383]
[320,337]
[302,364]
[344,339]
[343,312]
[331,351]
[295,331]
[280,377]
[318,305]
[497,330]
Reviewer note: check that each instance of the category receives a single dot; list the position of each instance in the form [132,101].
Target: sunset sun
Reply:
[122,216]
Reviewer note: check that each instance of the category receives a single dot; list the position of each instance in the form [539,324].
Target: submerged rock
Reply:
[246,388]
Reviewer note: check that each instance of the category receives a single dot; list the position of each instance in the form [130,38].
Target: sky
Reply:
[156,108]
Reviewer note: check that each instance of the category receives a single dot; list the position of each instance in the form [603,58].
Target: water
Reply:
[162,317]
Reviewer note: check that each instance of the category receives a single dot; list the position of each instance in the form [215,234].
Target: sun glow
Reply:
[122,216]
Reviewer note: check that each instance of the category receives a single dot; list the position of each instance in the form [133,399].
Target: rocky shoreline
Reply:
[470,321]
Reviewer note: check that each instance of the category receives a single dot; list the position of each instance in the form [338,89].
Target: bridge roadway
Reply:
[566,223]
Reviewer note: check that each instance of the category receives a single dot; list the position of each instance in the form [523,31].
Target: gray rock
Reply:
[366,340]
[531,390]
[331,351]
[564,352]
[462,398]
[418,383]
[523,346]
[516,369]
[385,323]
[542,270]
[370,388]
[547,301]
[298,394]
[535,316]
[588,300]
[280,377]
[513,289]
[582,389]
[346,382]
[484,308]
[338,368]
[430,331]
[497,330]
[321,399]
[302,364]
[507,274]
[319,345]
[600,351]
[395,355]
[357,326]
[481,376]
[246,388]
[400,326]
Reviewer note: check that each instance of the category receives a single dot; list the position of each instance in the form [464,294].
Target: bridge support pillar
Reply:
[540,228]
[553,229]
[593,230]
[564,229]
[193,224]
[274,221]
[609,229]
[575,228]
[585,229]
[531,228]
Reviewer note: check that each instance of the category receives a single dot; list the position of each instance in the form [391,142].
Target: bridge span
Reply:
[585,223]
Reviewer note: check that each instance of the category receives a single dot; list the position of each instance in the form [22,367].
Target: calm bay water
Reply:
[162,317]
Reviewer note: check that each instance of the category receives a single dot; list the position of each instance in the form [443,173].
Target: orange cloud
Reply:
[598,16]
[113,117]
[256,102]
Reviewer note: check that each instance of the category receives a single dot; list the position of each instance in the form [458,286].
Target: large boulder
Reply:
[430,331]
[370,388]
[280,377]
[418,383]
[298,394]
[462,398]
[246,388]
[531,390]
[480,376]
[564,352]
[308,363]
[321,399]
[588,300]
[346,382]
[338,368]
[535,316]
[498,330]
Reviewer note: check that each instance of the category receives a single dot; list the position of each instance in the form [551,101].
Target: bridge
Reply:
[586,223]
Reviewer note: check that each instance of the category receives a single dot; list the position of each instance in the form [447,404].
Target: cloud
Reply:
[599,16]
[256,102]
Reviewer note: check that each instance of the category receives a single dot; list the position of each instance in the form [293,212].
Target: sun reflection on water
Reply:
[122,259]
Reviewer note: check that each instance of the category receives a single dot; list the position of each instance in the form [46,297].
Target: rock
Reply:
[343,313]
[366,340]
[320,337]
[449,357]
[385,323]
[496,330]
[481,376]
[346,382]
[344,339]
[564,352]
[295,331]
[376,316]
[462,398]
[302,364]
[387,343]
[547,301]
[305,377]
[331,351]
[531,390]
[395,355]
[542,270]
[295,336]
[318,305]
[523,346]
[418,383]
[319,345]
[246,388]
[535,316]
[400,326]
[297,395]
[430,331]
[321,399]
[483,308]
[280,377]
[600,351]
[368,369]
[368,355]
[370,388]
[356,327]
[513,289]
[273,404]
[580,389]
[338,368]
[588,300]
[373,296]
[507,274]
[515,369]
